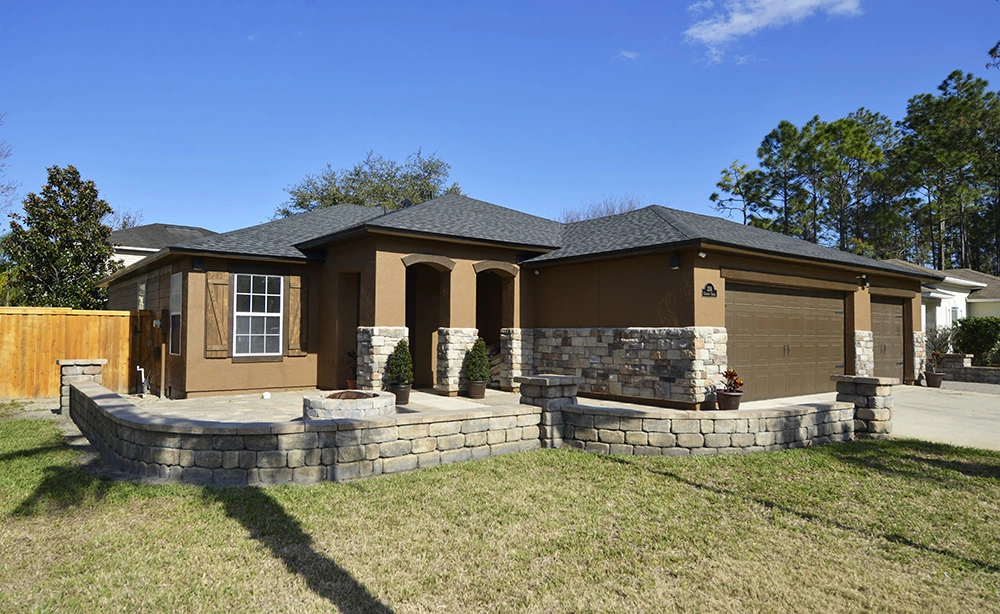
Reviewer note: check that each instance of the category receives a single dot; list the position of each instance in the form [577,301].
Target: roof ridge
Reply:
[678,225]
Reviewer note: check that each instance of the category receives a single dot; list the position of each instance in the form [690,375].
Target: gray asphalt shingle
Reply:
[157,236]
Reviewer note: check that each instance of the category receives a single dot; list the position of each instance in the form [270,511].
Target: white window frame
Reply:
[176,302]
[252,314]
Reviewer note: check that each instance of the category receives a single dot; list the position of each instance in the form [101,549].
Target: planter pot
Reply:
[352,384]
[933,379]
[477,390]
[729,400]
[402,392]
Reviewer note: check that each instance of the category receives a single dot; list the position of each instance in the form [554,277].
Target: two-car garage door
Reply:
[783,341]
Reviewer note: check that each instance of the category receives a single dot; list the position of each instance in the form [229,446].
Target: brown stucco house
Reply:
[648,305]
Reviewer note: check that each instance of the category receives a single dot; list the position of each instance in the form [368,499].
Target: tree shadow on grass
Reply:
[918,460]
[65,486]
[270,525]
[864,532]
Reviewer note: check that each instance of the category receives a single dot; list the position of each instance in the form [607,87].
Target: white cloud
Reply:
[739,18]
[627,55]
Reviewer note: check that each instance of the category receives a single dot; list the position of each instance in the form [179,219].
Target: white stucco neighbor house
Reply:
[962,293]
[133,244]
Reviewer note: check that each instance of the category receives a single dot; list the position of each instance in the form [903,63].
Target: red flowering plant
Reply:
[733,381]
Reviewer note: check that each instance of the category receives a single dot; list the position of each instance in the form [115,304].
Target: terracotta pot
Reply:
[477,390]
[352,384]
[402,392]
[729,400]
[933,379]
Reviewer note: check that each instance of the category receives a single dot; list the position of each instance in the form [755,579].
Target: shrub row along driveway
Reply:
[959,413]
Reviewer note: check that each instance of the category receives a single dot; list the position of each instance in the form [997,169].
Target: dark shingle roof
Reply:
[157,236]
[278,239]
[656,226]
[992,289]
[462,217]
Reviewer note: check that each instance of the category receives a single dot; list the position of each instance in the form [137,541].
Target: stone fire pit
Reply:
[348,404]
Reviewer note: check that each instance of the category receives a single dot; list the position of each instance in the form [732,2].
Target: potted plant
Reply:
[399,372]
[932,377]
[477,369]
[730,394]
[352,366]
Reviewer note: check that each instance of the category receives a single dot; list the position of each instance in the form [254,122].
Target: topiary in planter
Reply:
[477,369]
[399,371]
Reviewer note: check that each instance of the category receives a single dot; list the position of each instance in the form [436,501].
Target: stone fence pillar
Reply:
[872,399]
[551,393]
[75,371]
[953,364]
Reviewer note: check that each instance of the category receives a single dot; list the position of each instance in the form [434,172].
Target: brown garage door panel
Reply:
[887,333]
[784,341]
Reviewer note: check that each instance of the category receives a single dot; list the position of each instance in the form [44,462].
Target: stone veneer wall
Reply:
[872,400]
[864,353]
[959,368]
[76,371]
[375,344]
[452,350]
[517,353]
[670,364]
[919,354]
[144,444]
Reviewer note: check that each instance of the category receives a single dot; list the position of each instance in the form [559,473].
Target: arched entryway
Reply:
[427,301]
[494,303]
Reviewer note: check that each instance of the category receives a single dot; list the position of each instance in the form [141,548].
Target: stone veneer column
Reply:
[453,348]
[76,371]
[919,354]
[517,355]
[551,393]
[864,353]
[375,344]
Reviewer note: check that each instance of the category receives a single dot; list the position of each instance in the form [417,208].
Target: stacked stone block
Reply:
[872,401]
[375,344]
[517,352]
[672,364]
[144,444]
[864,353]
[452,351]
[551,393]
[959,368]
[76,371]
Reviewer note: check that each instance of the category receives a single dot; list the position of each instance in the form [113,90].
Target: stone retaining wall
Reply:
[76,371]
[681,365]
[144,444]
[959,368]
[872,401]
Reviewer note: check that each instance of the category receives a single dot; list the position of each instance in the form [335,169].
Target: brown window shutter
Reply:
[298,323]
[217,323]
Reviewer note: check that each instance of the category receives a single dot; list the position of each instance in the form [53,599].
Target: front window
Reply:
[258,315]
[176,283]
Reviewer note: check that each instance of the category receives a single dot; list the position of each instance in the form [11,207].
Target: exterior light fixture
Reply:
[675,261]
[702,254]
[864,281]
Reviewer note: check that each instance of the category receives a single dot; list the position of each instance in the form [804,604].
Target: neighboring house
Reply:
[984,300]
[133,244]
[650,305]
[946,301]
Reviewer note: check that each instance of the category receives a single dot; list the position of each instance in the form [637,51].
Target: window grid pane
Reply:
[254,332]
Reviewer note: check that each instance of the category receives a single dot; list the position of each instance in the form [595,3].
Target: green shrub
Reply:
[979,337]
[399,371]
[477,367]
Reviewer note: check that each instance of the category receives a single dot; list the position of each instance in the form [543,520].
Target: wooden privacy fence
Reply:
[32,339]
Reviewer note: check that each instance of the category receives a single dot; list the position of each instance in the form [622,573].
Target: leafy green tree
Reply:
[372,182]
[58,247]
[742,191]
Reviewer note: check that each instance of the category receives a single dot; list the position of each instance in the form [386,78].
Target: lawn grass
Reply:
[896,526]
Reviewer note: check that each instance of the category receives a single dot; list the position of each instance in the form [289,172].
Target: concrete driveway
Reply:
[959,413]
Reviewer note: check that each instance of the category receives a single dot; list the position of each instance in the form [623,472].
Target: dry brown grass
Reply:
[898,526]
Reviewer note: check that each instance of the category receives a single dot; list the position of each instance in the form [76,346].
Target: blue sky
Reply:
[201,113]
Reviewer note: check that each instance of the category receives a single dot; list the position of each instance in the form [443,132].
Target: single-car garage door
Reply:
[887,333]
[783,341]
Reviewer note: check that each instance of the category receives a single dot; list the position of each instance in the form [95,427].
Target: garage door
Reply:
[887,333]
[784,342]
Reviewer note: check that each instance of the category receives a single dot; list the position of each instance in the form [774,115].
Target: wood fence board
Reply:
[32,339]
